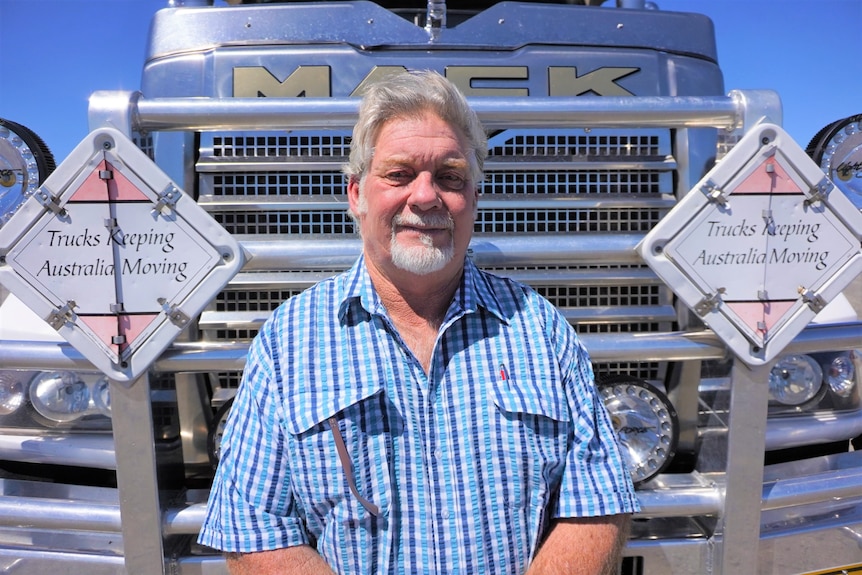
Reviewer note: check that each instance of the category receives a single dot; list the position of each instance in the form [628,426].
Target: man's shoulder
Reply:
[323,295]
[509,291]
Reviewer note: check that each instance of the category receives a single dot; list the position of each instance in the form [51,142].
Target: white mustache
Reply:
[443,221]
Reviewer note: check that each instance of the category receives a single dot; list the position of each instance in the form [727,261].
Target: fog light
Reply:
[102,396]
[11,391]
[646,424]
[25,162]
[60,396]
[841,376]
[216,432]
[795,379]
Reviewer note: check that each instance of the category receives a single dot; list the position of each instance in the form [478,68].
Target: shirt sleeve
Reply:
[250,506]
[596,481]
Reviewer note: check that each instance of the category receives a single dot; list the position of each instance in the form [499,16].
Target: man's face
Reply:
[417,204]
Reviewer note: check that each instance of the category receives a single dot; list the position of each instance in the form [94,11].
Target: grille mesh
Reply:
[574,164]
[602,296]
[272,184]
[532,221]
[283,222]
[279,146]
[561,143]
[570,182]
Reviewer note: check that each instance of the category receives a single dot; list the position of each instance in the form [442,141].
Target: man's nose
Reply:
[424,192]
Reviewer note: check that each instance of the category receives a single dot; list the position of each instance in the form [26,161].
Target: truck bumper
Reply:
[811,520]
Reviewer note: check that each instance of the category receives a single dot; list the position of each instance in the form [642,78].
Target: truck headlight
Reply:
[216,431]
[646,424]
[25,162]
[34,399]
[11,393]
[795,379]
[60,396]
[841,375]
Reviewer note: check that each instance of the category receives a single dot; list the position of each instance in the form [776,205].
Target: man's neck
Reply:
[423,296]
[416,304]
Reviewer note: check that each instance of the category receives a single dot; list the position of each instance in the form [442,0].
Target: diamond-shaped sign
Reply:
[114,255]
[760,245]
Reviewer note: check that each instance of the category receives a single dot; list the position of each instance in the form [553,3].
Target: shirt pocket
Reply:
[321,483]
[535,421]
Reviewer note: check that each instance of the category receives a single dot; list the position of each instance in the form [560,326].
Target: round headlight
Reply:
[795,379]
[841,375]
[25,162]
[216,431]
[646,424]
[837,149]
[102,396]
[11,391]
[60,396]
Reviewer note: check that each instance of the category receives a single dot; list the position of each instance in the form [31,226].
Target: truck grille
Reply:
[288,186]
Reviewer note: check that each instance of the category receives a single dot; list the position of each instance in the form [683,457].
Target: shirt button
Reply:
[438,454]
[447,514]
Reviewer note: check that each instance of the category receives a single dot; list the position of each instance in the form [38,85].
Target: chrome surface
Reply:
[83,450]
[673,346]
[208,114]
[505,26]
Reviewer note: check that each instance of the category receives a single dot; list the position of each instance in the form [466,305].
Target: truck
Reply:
[600,120]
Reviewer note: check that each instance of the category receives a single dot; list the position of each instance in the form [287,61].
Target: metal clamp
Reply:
[715,194]
[814,300]
[167,199]
[820,192]
[709,302]
[50,202]
[177,316]
[59,316]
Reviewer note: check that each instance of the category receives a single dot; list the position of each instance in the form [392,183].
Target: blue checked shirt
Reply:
[467,464]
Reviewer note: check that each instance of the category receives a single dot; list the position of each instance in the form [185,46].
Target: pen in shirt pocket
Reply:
[504,373]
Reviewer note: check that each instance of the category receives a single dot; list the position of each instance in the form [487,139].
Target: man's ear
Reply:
[353,193]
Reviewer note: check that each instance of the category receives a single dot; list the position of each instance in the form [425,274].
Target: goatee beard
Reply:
[426,258]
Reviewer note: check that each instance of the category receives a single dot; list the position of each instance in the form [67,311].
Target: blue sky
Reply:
[54,53]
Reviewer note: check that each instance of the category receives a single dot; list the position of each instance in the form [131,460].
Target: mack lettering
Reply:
[314,81]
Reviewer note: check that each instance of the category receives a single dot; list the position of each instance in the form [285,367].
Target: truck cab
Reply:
[600,119]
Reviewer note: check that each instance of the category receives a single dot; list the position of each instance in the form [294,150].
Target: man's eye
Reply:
[452,181]
[398,176]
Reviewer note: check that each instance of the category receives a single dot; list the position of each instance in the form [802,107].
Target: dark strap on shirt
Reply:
[347,465]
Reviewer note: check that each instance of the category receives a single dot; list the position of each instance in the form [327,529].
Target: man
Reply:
[414,414]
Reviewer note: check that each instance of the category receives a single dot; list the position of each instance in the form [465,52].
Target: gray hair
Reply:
[409,95]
